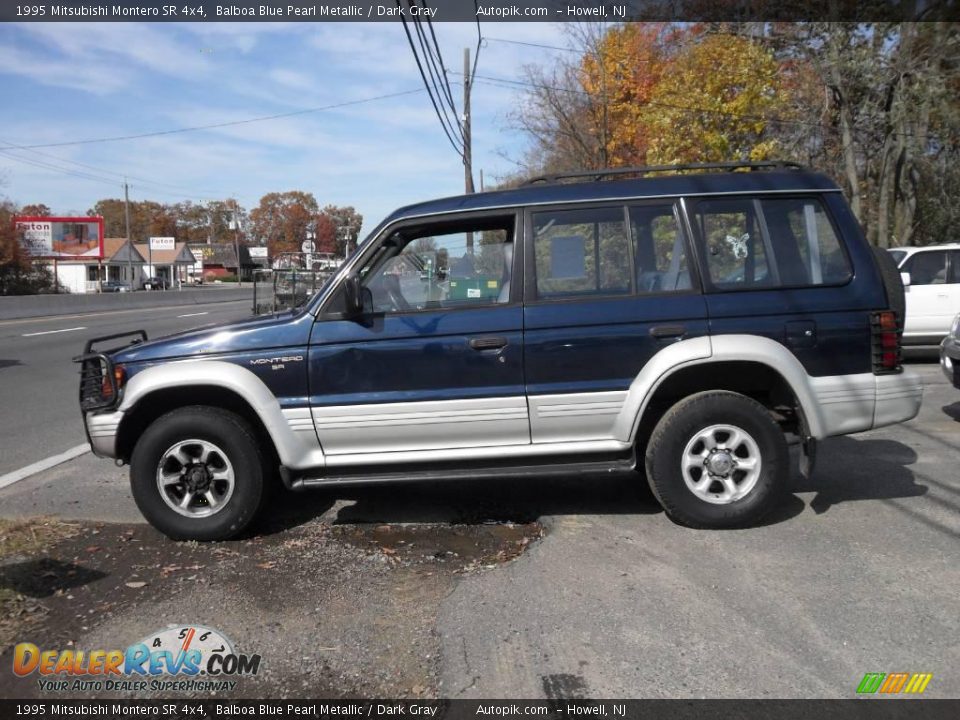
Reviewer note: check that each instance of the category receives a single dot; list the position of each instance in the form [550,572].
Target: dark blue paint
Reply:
[588,346]
[416,357]
[840,315]
[241,343]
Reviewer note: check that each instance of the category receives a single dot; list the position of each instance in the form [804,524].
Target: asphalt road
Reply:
[854,572]
[39,415]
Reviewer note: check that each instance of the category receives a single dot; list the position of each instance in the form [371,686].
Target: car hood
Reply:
[289,329]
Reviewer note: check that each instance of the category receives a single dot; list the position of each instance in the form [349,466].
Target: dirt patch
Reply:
[334,609]
[20,577]
[457,548]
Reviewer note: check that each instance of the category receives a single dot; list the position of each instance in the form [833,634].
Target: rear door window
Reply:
[659,250]
[581,253]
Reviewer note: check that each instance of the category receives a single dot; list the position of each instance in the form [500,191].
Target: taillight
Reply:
[886,342]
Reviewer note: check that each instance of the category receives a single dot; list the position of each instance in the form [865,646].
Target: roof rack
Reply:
[597,175]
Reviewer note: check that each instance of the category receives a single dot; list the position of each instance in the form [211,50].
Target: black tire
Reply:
[235,440]
[688,420]
[892,282]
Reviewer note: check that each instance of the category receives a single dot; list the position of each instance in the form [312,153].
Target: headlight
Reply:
[955,328]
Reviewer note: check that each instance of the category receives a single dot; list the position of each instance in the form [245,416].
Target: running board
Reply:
[328,477]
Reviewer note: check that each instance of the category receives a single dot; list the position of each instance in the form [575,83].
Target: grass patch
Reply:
[32,535]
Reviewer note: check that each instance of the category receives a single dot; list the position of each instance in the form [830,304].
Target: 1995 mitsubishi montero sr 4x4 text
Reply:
[685,324]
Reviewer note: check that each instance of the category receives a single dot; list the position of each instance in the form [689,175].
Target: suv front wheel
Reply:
[197,474]
[717,460]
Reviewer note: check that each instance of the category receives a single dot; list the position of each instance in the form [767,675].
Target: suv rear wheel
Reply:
[197,474]
[717,460]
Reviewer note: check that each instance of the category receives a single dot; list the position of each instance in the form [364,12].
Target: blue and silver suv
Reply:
[685,326]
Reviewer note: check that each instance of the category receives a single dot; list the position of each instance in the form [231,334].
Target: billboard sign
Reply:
[258,252]
[162,243]
[63,238]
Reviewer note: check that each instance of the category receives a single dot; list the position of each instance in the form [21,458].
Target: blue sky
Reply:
[67,82]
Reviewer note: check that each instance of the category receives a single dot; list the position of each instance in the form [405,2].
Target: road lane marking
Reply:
[193,314]
[105,313]
[51,332]
[41,465]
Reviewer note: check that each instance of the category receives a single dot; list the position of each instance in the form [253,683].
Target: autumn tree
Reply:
[347,222]
[147,218]
[19,275]
[714,103]
[325,230]
[619,74]
[37,210]
[650,93]
[281,220]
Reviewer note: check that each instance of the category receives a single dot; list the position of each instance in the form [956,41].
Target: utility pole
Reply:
[126,215]
[467,150]
[236,240]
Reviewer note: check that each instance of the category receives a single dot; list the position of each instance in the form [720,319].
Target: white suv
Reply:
[931,278]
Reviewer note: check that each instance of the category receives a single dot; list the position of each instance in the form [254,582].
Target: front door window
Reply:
[444,266]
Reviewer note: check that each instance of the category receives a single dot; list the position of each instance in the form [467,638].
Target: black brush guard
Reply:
[96,366]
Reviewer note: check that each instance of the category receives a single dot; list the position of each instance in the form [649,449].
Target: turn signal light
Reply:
[119,378]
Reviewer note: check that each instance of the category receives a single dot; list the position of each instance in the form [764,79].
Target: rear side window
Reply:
[659,250]
[779,242]
[806,247]
[735,251]
[927,268]
[581,253]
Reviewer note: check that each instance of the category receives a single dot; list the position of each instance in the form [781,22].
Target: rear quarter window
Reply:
[769,243]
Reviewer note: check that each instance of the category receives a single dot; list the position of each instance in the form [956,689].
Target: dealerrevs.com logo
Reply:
[174,658]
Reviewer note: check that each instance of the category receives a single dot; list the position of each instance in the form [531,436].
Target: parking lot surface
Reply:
[577,587]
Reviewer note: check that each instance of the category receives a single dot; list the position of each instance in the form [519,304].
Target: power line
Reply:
[426,84]
[438,81]
[48,166]
[145,181]
[230,123]
[443,68]
[116,182]
[531,44]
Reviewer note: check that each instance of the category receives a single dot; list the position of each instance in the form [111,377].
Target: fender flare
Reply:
[182,374]
[718,348]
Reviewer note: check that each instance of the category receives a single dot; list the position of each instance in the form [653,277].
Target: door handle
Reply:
[667,331]
[488,343]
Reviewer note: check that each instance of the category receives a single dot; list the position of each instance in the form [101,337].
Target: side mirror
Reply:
[352,295]
[905,279]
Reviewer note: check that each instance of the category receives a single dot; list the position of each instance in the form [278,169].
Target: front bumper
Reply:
[102,430]
[950,359]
